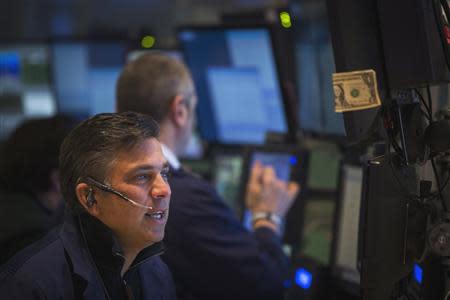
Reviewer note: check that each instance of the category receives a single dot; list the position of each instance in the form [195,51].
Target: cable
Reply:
[424,113]
[393,169]
[446,182]
[391,138]
[430,103]
[447,296]
[433,164]
[429,115]
[438,182]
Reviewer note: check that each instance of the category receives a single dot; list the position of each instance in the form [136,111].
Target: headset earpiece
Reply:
[90,198]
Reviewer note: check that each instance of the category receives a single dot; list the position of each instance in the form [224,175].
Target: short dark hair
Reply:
[148,85]
[30,154]
[90,148]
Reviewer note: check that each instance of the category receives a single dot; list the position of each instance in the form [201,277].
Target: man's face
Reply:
[139,174]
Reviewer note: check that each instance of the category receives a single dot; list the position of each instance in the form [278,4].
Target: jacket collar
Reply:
[80,261]
[171,158]
[86,239]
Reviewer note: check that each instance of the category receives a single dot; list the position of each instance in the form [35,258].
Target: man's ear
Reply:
[85,196]
[178,111]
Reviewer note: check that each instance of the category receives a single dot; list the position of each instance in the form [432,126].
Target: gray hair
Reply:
[89,148]
[148,85]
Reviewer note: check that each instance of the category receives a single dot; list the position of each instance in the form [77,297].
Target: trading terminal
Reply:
[370,221]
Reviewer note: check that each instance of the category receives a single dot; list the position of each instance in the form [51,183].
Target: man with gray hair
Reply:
[114,179]
[211,255]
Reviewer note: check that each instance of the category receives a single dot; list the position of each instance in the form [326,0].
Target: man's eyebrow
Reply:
[148,168]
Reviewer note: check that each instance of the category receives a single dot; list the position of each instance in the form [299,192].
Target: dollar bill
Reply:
[355,90]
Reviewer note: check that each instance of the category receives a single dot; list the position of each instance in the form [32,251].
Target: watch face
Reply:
[269,216]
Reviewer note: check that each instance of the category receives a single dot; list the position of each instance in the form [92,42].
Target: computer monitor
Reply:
[344,260]
[235,73]
[323,169]
[389,190]
[283,163]
[288,163]
[85,74]
[25,84]
[227,178]
[315,65]
[317,229]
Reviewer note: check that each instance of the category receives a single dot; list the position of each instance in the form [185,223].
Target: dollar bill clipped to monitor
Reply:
[355,91]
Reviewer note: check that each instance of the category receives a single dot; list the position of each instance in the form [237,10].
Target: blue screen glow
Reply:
[303,278]
[418,274]
[293,160]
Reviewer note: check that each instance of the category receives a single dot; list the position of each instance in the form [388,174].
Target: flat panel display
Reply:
[346,256]
[237,83]
[85,75]
[317,231]
[25,84]
[323,169]
[227,178]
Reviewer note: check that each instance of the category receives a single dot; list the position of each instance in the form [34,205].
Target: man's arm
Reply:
[213,254]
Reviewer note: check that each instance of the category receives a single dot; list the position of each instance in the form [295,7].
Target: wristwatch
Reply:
[265,215]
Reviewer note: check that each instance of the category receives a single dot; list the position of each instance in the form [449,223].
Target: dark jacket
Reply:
[59,266]
[211,255]
[23,220]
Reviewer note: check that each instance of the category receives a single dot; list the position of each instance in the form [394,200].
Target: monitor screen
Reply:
[227,179]
[315,65]
[346,239]
[317,230]
[323,170]
[281,162]
[25,86]
[237,83]
[285,163]
[85,75]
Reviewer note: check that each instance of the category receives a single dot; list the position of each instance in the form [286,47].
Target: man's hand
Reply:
[267,193]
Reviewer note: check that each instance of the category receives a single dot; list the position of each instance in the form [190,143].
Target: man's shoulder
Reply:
[39,258]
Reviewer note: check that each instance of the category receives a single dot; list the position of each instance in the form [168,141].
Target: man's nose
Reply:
[161,188]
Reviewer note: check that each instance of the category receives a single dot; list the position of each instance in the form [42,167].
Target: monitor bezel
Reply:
[347,286]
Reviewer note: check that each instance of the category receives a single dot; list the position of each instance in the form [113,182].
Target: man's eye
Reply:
[165,174]
[142,177]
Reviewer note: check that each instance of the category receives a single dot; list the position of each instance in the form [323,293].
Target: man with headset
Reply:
[114,180]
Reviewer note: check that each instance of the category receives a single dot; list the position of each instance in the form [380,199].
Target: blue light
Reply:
[187,36]
[303,278]
[293,160]
[418,273]
[9,64]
